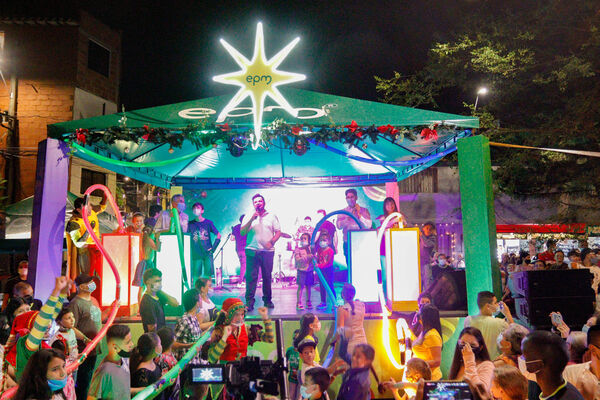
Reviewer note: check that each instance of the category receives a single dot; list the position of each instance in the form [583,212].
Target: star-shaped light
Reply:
[257,79]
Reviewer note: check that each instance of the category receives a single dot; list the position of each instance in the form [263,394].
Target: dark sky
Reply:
[171,49]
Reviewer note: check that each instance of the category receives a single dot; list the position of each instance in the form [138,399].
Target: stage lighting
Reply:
[237,145]
[300,146]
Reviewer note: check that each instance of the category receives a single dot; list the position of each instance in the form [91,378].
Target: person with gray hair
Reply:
[163,224]
[577,345]
[509,343]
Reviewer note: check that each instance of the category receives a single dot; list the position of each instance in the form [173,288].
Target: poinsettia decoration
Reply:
[430,133]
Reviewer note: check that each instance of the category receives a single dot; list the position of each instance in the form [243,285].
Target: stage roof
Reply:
[334,164]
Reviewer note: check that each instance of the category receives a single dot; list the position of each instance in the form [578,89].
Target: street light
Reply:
[482,91]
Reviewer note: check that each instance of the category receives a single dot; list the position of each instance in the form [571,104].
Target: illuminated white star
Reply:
[258,79]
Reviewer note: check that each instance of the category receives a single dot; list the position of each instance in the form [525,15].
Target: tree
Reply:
[541,62]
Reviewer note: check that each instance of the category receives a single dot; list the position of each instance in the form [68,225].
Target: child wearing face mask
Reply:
[45,372]
[316,383]
[325,264]
[303,260]
[144,370]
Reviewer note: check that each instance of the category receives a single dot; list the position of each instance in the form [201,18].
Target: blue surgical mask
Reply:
[91,286]
[181,207]
[323,244]
[57,384]
[304,393]
[304,243]
[442,262]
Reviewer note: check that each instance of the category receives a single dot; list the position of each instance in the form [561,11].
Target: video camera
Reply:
[246,378]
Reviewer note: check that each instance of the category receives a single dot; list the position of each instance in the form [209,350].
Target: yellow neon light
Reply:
[257,79]
[386,321]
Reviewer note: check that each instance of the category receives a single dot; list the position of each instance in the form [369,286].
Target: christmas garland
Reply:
[293,136]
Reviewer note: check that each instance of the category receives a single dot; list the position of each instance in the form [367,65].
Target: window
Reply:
[89,178]
[98,58]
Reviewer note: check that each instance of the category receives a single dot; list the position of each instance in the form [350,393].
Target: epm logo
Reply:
[254,79]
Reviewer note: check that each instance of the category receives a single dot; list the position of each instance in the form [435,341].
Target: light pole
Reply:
[482,91]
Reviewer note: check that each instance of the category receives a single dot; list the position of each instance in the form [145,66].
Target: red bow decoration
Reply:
[80,133]
[297,129]
[225,128]
[359,134]
[387,128]
[148,135]
[352,127]
[429,134]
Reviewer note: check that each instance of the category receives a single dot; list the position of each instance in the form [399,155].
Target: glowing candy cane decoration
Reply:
[386,321]
[115,305]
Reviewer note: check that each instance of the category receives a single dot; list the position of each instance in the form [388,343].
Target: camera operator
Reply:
[229,341]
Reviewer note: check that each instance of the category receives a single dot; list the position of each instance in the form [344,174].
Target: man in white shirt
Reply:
[163,223]
[586,376]
[262,230]
[485,321]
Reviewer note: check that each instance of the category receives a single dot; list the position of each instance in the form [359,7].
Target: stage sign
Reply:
[364,265]
[167,261]
[125,250]
[403,268]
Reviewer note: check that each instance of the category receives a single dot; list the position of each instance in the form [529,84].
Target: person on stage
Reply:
[84,257]
[262,230]
[200,230]
[164,223]
[389,207]
[328,227]
[345,223]
[302,229]
[240,247]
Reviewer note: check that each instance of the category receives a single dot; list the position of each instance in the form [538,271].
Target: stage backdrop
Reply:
[291,205]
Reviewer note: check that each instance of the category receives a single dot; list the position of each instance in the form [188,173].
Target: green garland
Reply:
[205,135]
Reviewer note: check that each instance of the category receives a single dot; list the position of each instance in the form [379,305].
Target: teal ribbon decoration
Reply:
[132,164]
[170,377]
[175,223]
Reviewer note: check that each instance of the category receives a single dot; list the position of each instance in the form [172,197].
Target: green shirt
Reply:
[23,355]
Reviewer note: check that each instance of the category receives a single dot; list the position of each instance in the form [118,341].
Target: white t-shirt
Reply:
[261,231]
[205,308]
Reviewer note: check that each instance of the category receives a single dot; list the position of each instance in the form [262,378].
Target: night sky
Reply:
[171,49]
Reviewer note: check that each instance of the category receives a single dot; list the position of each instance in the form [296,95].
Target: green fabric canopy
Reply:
[327,166]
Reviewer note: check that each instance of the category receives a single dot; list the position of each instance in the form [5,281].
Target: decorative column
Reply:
[479,220]
[48,224]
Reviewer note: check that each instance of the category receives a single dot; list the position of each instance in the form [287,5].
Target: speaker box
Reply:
[568,283]
[535,312]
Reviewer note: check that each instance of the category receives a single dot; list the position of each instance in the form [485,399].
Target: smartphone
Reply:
[447,390]
[556,319]
[207,374]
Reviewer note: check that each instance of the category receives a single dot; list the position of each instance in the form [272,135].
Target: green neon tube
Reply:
[132,164]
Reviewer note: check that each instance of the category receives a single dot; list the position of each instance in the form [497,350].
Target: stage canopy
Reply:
[331,164]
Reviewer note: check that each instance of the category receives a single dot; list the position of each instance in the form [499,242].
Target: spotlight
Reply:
[300,146]
[237,145]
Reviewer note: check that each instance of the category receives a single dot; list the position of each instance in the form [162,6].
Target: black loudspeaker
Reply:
[568,292]
[568,283]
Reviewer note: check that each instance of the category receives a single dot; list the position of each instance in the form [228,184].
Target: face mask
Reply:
[237,324]
[157,287]
[304,243]
[197,211]
[304,393]
[181,207]
[323,244]
[442,262]
[57,384]
[124,354]
[91,286]
[594,260]
[28,300]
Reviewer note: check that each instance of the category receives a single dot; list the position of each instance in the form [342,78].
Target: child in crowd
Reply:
[316,383]
[325,264]
[153,301]
[166,360]
[293,359]
[416,369]
[303,260]
[46,377]
[65,340]
[485,321]
[307,350]
[144,370]
[309,326]
[356,383]
[111,378]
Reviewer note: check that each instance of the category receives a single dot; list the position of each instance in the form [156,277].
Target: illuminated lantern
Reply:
[125,250]
[403,269]
[168,262]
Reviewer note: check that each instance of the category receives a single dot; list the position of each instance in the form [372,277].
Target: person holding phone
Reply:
[471,359]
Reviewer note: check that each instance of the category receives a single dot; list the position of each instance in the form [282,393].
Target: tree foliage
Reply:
[541,63]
